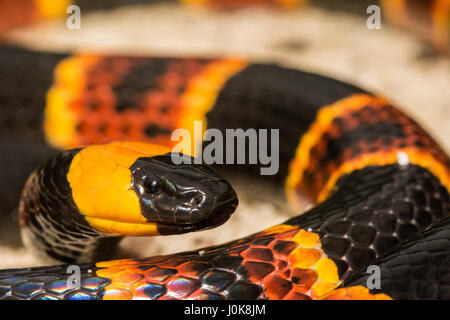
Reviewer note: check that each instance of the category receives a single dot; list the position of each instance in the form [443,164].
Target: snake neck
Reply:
[52,228]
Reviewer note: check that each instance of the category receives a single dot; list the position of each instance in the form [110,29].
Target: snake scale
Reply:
[379,181]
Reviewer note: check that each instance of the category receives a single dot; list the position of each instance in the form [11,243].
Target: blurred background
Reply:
[390,61]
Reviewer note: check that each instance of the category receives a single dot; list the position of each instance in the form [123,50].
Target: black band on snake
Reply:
[379,181]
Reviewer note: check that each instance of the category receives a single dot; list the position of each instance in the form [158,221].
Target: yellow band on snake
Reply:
[101,184]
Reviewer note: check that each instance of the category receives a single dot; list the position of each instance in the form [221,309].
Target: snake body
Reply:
[380,182]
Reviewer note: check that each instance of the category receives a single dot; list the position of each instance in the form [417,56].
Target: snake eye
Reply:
[151,185]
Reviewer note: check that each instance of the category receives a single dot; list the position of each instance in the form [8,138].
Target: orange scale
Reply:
[441,157]
[115,120]
[167,142]
[110,69]
[426,140]
[281,248]
[175,114]
[287,235]
[363,146]
[113,135]
[123,65]
[86,112]
[98,139]
[276,287]
[94,137]
[152,98]
[136,136]
[113,263]
[352,124]
[94,119]
[171,115]
[77,105]
[304,258]
[304,279]
[300,289]
[135,269]
[112,293]
[256,271]
[333,166]
[384,115]
[158,96]
[151,101]
[159,275]
[169,97]
[102,90]
[135,132]
[151,140]
[152,116]
[99,77]
[409,130]
[171,81]
[81,141]
[175,109]
[168,121]
[404,120]
[105,125]
[315,154]
[321,148]
[126,278]
[347,154]
[285,273]
[192,269]
[366,116]
[412,139]
[280,264]
[258,253]
[109,272]
[107,106]
[277,230]
[343,114]
[334,131]
[317,185]
[133,118]
[395,143]
[172,99]
[83,127]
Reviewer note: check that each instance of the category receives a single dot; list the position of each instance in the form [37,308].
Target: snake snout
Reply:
[216,208]
[182,198]
[226,203]
[209,205]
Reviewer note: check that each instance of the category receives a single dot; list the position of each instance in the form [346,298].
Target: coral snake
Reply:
[380,182]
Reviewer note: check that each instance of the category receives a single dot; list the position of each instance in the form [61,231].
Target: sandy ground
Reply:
[389,61]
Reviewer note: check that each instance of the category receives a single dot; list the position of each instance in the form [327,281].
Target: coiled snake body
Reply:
[381,183]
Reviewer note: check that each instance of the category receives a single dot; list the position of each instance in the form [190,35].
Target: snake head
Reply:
[181,198]
[136,189]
